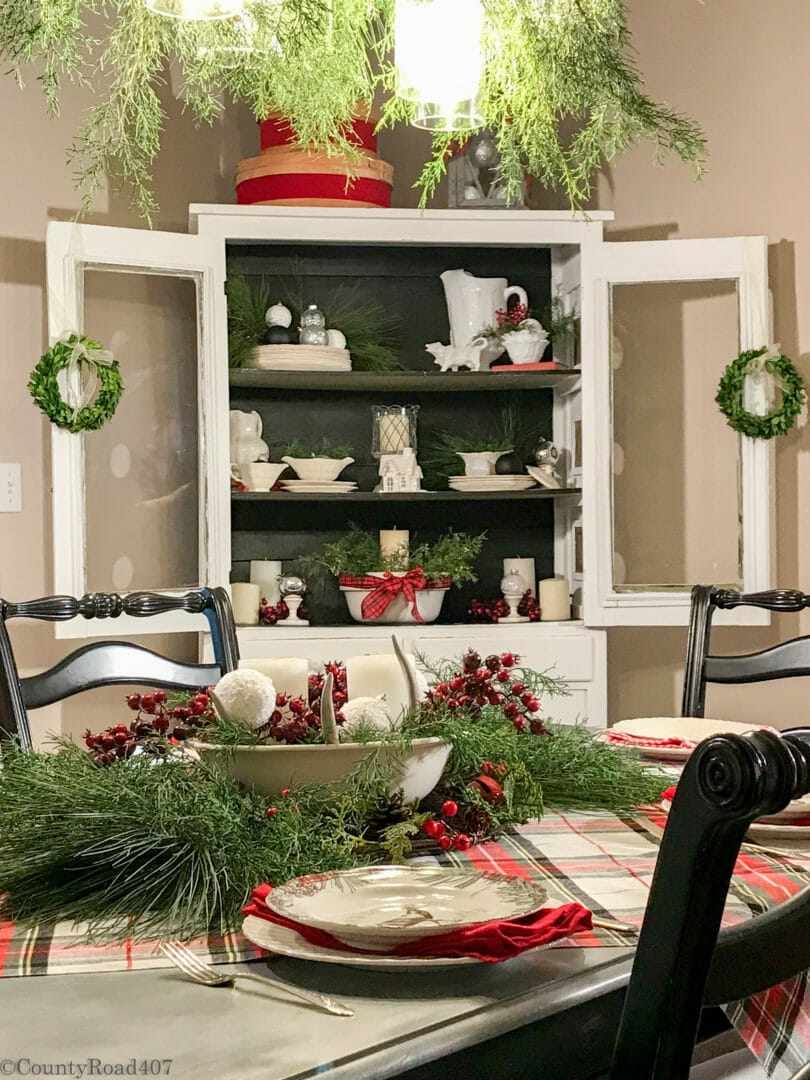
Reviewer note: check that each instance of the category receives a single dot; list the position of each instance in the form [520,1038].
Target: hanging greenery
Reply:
[559,89]
[787,379]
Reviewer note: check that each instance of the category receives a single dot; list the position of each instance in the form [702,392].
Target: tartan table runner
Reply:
[600,860]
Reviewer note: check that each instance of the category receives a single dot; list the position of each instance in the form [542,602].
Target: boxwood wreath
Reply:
[730,395]
[81,351]
[104,837]
[561,93]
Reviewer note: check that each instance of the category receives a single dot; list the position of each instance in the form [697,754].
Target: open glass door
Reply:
[140,503]
[675,497]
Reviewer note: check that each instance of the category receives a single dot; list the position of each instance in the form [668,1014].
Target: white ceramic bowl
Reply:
[258,475]
[270,769]
[319,470]
[428,604]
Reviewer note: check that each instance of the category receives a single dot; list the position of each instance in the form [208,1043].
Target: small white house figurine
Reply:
[453,357]
[400,472]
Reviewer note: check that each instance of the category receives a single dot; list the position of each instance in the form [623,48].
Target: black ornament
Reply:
[508,465]
[278,335]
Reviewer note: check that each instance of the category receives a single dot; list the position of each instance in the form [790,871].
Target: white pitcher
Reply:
[471,305]
[247,445]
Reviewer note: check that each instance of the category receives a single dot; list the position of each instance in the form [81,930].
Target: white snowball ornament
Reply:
[365,712]
[245,697]
[278,315]
[336,339]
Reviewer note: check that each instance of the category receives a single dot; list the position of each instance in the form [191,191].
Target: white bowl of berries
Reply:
[271,769]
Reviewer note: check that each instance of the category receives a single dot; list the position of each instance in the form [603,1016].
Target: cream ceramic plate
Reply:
[693,728]
[380,907]
[286,942]
[766,830]
[543,477]
[311,487]
[490,483]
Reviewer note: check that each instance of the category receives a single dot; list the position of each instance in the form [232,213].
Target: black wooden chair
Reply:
[682,966]
[109,663]
[781,661]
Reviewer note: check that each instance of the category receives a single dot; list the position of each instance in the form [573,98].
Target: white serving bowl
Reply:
[428,604]
[319,470]
[268,770]
[258,475]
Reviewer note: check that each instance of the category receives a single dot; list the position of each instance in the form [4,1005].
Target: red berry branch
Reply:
[157,721]
[489,682]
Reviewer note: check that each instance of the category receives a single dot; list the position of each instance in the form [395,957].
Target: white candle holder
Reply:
[513,587]
[393,429]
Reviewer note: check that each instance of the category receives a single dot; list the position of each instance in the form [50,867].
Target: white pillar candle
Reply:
[245,598]
[394,432]
[378,675]
[265,573]
[392,540]
[289,674]
[554,595]
[523,567]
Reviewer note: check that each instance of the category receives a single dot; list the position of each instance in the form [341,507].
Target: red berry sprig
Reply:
[294,719]
[156,722]
[489,682]
[491,611]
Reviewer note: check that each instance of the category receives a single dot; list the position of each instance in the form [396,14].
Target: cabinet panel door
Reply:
[142,503]
[675,497]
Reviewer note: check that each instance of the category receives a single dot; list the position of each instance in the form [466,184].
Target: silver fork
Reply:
[201,972]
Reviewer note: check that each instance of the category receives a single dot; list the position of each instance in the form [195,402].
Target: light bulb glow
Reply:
[437,50]
[199,10]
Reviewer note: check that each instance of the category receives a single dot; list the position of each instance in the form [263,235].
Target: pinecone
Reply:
[387,812]
[473,820]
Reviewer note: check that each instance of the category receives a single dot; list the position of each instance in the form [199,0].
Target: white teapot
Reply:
[247,445]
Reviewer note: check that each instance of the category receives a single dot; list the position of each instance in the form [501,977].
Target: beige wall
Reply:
[736,65]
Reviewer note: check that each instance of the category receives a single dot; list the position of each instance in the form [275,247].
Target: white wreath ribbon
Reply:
[760,385]
[81,393]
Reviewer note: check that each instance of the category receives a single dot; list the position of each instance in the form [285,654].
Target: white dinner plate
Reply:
[310,487]
[380,907]
[693,728]
[286,942]
[764,832]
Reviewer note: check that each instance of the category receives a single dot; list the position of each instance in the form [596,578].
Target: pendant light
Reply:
[437,51]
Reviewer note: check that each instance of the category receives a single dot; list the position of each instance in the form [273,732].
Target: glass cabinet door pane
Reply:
[142,469]
[676,463]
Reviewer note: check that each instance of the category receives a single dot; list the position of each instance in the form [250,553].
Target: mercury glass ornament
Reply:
[546,453]
[290,585]
[313,327]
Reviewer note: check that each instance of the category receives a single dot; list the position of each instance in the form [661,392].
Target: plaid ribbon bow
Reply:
[384,588]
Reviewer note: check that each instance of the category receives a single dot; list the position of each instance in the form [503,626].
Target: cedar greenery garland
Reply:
[44,388]
[144,850]
[730,396]
[560,89]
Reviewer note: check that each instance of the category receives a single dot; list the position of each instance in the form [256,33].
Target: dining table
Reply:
[73,1008]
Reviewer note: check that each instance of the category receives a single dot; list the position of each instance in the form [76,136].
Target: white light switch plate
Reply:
[10,488]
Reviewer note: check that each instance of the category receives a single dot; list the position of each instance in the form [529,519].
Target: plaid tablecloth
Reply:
[602,861]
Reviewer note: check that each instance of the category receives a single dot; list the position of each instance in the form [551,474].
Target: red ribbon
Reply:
[312,186]
[384,588]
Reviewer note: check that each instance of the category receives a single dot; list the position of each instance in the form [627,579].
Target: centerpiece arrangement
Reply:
[135,837]
[387,578]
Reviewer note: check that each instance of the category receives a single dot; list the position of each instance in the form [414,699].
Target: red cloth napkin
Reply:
[669,795]
[648,740]
[490,942]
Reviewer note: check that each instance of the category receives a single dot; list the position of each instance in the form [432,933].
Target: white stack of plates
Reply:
[375,909]
[322,487]
[300,358]
[491,483]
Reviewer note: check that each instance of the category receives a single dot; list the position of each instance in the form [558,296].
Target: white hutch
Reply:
[646,508]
